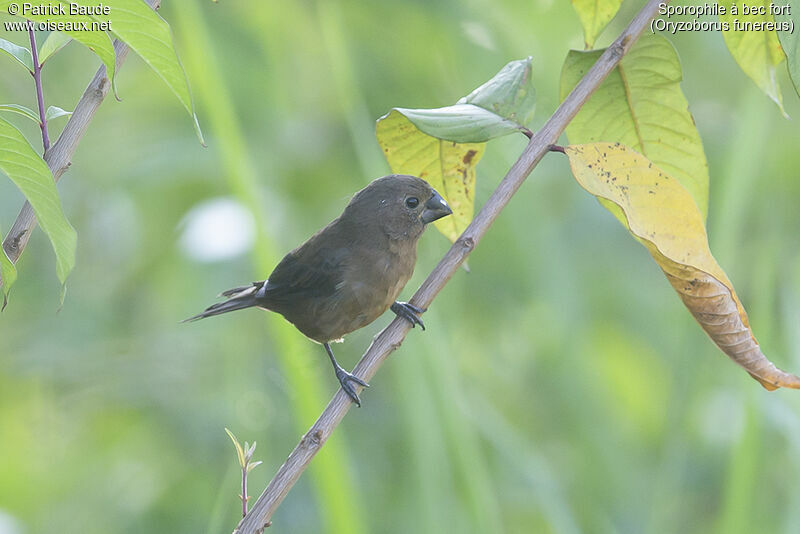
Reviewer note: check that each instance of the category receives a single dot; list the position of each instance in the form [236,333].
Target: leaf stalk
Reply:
[37,79]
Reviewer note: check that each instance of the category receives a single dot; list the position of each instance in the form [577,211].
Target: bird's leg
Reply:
[409,312]
[345,378]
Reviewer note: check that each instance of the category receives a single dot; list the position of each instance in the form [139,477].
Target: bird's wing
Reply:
[305,274]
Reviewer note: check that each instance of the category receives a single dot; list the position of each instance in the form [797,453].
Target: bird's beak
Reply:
[435,208]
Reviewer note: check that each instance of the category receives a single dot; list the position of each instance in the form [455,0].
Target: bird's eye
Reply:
[412,202]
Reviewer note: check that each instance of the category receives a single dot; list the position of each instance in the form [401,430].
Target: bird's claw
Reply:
[344,379]
[409,312]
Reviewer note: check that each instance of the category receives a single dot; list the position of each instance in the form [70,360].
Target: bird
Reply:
[351,271]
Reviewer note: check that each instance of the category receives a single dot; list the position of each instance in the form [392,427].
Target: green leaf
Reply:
[21,110]
[462,123]
[32,176]
[509,94]
[54,42]
[20,53]
[54,112]
[756,52]
[135,23]
[448,166]
[641,105]
[501,106]
[8,274]
[140,27]
[101,44]
[595,16]
[443,146]
[790,41]
[96,40]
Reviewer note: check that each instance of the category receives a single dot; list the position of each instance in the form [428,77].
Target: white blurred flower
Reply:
[479,34]
[217,229]
[8,524]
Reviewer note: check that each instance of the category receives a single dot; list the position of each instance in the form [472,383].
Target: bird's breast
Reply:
[370,282]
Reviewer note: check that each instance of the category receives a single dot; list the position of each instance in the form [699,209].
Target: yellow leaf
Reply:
[664,217]
[448,166]
[595,15]
[641,105]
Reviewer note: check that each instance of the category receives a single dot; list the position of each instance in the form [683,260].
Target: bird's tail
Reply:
[238,299]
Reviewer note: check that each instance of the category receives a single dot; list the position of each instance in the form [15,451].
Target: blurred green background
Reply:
[561,386]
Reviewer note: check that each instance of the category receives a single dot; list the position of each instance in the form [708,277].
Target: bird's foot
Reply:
[345,380]
[409,312]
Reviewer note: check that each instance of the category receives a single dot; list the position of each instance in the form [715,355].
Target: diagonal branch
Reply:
[392,336]
[59,156]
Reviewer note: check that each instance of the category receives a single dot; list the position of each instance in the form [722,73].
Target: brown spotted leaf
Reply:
[641,105]
[663,216]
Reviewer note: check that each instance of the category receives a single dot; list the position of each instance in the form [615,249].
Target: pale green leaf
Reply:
[19,53]
[509,94]
[462,123]
[757,52]
[595,16]
[54,112]
[663,216]
[239,450]
[21,110]
[641,105]
[250,449]
[32,176]
[790,40]
[8,273]
[149,35]
[101,44]
[503,105]
[54,42]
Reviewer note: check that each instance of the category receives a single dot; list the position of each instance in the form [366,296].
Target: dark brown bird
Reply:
[350,272]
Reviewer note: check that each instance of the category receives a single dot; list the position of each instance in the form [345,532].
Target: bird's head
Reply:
[399,204]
